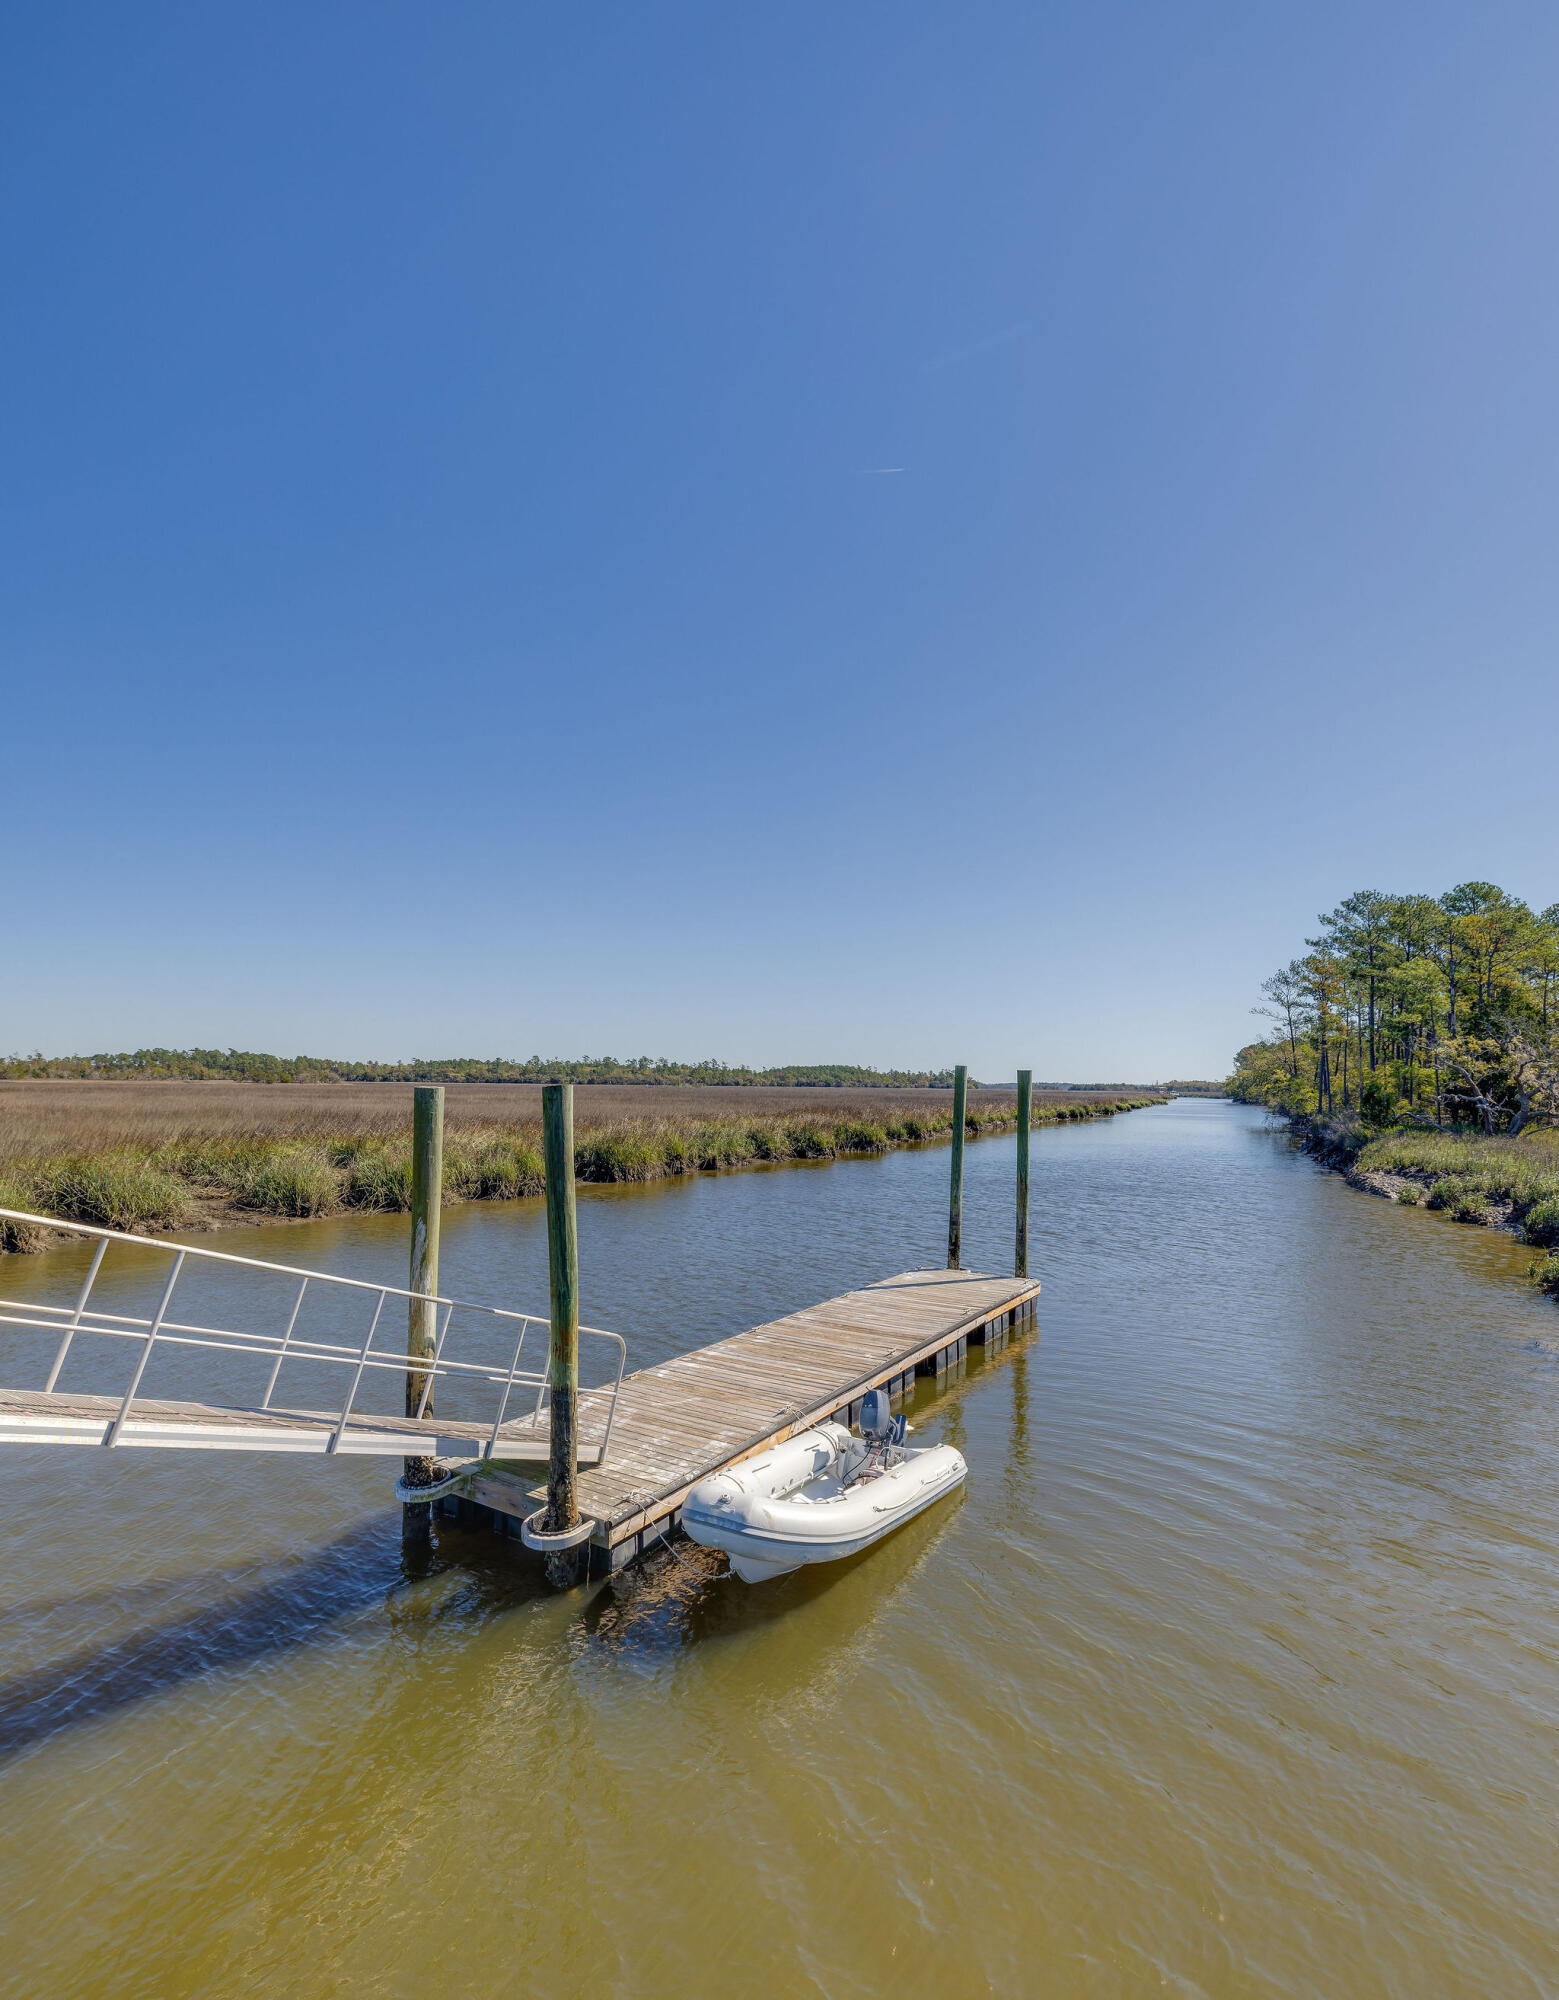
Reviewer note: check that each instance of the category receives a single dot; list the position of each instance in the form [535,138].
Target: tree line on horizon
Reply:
[248,1066]
[1411,1006]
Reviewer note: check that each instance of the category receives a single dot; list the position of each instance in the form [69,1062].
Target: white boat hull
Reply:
[810,1501]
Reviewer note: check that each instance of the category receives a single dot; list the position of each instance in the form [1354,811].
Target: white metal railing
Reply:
[363,1360]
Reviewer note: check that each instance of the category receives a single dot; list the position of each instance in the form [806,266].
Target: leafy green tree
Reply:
[1401,990]
[1287,991]
[1540,961]
[1361,935]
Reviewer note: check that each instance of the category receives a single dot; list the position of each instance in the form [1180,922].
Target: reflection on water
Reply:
[1231,1671]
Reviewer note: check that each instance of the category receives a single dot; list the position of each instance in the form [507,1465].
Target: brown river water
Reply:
[1235,1670]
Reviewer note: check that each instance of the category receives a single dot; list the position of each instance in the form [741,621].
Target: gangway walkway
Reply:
[483,1384]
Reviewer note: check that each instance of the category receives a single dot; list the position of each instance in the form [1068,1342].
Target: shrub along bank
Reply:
[194,1181]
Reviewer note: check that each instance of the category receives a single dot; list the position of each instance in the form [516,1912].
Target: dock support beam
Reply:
[557,1117]
[955,1200]
[1020,1263]
[427,1194]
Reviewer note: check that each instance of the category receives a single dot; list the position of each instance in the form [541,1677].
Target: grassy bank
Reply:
[1493,1182]
[147,1157]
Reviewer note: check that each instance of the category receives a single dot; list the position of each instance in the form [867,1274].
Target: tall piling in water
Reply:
[955,1199]
[557,1117]
[427,1192]
[1020,1263]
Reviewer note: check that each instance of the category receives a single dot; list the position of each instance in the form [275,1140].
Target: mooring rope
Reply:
[664,1538]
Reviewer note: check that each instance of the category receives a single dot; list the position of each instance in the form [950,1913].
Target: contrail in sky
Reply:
[866,470]
[985,346]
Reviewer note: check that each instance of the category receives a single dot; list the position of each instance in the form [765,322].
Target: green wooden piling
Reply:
[955,1203]
[557,1118]
[427,1190]
[1020,1267]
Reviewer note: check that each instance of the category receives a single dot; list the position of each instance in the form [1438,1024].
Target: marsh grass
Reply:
[138,1156]
[295,1180]
[1465,1167]
[17,1193]
[497,1167]
[1542,1223]
[118,1190]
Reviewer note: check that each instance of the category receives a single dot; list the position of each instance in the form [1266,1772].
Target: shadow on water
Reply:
[307,1603]
[682,1597]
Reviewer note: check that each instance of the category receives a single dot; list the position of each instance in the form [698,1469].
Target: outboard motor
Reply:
[873,1452]
[879,1426]
[877,1420]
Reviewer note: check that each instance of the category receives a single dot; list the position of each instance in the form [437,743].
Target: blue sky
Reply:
[454,596]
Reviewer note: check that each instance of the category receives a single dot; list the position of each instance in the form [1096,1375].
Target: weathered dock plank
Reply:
[682,1419]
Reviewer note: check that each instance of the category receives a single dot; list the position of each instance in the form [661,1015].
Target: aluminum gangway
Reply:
[463,1400]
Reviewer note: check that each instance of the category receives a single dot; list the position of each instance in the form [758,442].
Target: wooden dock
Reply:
[681,1420]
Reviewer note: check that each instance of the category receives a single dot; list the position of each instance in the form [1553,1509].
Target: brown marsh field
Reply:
[48,1114]
[161,1155]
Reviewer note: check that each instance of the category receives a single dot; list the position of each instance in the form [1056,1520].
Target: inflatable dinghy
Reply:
[821,1495]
